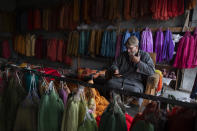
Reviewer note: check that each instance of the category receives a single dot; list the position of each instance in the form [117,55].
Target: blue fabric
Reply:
[82,43]
[103,45]
[124,40]
[87,36]
[113,44]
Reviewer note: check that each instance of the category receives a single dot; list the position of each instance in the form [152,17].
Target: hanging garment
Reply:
[37,19]
[63,93]
[112,44]
[89,123]
[124,41]
[104,43]
[23,45]
[23,21]
[45,19]
[195,45]
[74,114]
[50,111]
[190,54]
[26,118]
[30,20]
[91,48]
[142,125]
[60,50]
[28,45]
[168,47]
[98,41]
[6,51]
[127,9]
[82,43]
[135,8]
[118,45]
[188,39]
[85,10]
[146,43]
[33,42]
[38,47]
[12,97]
[28,79]
[159,39]
[52,49]
[113,119]
[99,10]
[144,7]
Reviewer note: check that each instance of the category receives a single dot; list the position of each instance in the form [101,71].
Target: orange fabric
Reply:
[160,83]
[91,47]
[127,9]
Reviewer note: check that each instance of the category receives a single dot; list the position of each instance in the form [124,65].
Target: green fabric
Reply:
[71,115]
[12,97]
[89,124]
[26,119]
[113,119]
[28,77]
[50,112]
[141,125]
[82,111]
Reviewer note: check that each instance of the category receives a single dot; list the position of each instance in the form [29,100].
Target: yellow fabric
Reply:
[33,41]
[98,42]
[23,45]
[45,19]
[91,48]
[100,102]
[28,45]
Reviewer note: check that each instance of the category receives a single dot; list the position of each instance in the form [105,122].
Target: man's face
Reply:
[132,50]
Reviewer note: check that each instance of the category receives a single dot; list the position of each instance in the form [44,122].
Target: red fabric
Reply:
[6,49]
[30,20]
[182,120]
[38,47]
[129,121]
[50,71]
[52,49]
[60,50]
[98,118]
[37,19]
[164,9]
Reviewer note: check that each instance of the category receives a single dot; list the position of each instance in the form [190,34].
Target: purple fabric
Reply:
[168,47]
[159,38]
[118,44]
[63,95]
[147,41]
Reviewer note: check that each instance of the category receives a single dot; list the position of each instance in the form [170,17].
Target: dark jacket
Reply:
[133,71]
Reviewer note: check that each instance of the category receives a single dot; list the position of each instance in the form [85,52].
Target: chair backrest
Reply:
[153,56]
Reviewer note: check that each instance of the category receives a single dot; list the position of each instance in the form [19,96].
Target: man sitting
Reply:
[130,69]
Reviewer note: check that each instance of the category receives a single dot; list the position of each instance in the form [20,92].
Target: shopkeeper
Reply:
[131,69]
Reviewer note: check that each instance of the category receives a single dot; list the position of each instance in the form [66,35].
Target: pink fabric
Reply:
[195,49]
[186,53]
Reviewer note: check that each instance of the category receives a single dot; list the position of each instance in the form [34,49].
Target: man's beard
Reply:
[132,53]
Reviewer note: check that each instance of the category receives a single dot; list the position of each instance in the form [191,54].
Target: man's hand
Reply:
[135,59]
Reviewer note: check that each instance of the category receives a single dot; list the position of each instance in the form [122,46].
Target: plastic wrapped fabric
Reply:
[50,111]
[26,119]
